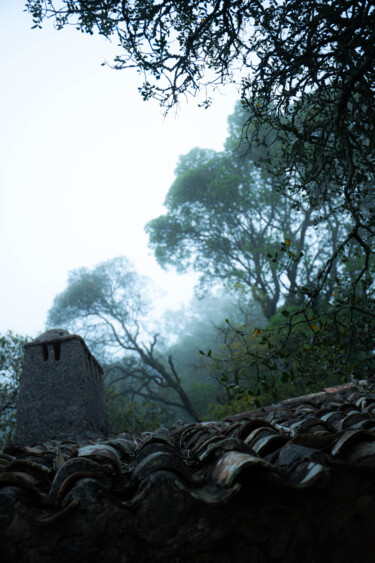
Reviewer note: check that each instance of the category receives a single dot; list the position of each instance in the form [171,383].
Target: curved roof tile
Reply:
[194,490]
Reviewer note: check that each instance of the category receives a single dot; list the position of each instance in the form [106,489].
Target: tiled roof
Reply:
[291,482]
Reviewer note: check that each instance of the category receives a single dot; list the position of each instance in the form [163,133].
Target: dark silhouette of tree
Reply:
[107,306]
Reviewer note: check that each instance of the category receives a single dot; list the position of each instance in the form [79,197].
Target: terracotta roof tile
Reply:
[266,485]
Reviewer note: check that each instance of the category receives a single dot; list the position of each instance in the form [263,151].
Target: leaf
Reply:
[287,242]
[285,377]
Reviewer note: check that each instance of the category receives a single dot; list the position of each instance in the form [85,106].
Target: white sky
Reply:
[84,164]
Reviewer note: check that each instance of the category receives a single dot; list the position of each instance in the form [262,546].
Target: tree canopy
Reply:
[226,219]
[295,45]
[306,74]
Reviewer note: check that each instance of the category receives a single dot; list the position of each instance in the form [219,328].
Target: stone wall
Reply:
[61,391]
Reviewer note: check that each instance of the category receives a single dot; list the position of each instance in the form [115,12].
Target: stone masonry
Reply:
[61,391]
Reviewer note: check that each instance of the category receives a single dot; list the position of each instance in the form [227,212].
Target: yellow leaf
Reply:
[314,327]
[287,242]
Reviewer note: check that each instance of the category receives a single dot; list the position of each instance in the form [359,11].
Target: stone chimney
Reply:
[61,393]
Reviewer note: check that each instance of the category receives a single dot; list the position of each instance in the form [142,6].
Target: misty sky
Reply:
[85,163]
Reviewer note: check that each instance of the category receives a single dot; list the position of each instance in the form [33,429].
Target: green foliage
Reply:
[12,349]
[247,399]
[298,260]
[293,223]
[298,351]
[124,415]
[199,326]
[218,411]
[226,219]
[307,84]
[201,390]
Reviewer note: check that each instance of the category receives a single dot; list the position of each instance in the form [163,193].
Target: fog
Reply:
[85,163]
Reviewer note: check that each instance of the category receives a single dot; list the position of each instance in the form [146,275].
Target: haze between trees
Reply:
[307,90]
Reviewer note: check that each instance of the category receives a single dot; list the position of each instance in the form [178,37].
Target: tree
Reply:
[226,219]
[127,415]
[307,76]
[12,349]
[197,327]
[172,44]
[108,306]
[307,71]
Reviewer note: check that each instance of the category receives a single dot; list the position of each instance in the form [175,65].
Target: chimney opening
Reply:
[45,352]
[56,350]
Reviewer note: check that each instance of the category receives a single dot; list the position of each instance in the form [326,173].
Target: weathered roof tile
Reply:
[157,496]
